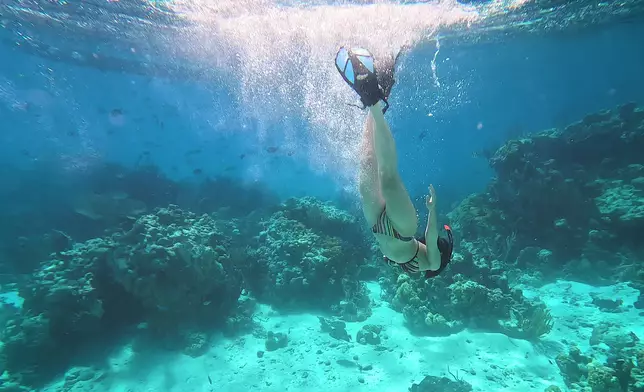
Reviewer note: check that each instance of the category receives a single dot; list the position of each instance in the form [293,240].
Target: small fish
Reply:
[422,135]
[271,150]
[209,380]
[116,112]
[242,156]
[197,171]
[290,153]
[192,152]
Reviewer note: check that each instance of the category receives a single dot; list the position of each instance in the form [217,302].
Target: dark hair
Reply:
[445,247]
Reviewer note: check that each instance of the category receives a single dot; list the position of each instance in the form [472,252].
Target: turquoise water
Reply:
[181,207]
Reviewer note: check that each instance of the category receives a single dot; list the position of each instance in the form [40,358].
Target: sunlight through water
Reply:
[281,59]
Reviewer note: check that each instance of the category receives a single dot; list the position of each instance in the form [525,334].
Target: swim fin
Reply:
[358,69]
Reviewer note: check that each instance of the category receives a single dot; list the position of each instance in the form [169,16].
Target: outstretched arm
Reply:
[431,232]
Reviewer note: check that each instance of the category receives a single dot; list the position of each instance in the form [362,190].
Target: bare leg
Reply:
[372,200]
[400,209]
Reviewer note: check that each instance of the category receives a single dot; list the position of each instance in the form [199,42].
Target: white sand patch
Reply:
[489,361]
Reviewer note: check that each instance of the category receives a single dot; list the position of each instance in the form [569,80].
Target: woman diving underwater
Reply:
[385,201]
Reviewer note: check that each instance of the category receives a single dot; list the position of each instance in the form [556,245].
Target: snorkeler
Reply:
[385,201]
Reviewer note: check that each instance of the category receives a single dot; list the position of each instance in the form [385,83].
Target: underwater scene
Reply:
[325,195]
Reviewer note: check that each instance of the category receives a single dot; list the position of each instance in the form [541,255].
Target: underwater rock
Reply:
[29,352]
[64,306]
[195,343]
[306,256]
[451,302]
[322,217]
[178,266]
[613,336]
[356,306]
[405,293]
[566,190]
[241,320]
[275,341]
[440,384]
[438,325]
[607,304]
[621,204]
[335,328]
[573,366]
[178,274]
[369,334]
[602,378]
[81,378]
[469,299]
[618,374]
[639,304]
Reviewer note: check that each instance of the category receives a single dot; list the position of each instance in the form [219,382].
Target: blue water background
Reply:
[524,83]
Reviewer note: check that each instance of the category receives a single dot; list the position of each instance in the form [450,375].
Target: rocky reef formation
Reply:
[440,384]
[565,203]
[178,265]
[467,295]
[307,253]
[621,369]
[183,276]
[570,199]
[172,270]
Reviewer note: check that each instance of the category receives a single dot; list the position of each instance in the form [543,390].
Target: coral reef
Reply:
[621,371]
[275,341]
[440,384]
[369,334]
[309,253]
[177,265]
[468,294]
[172,268]
[565,201]
[571,197]
[337,329]
[67,303]
[183,275]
